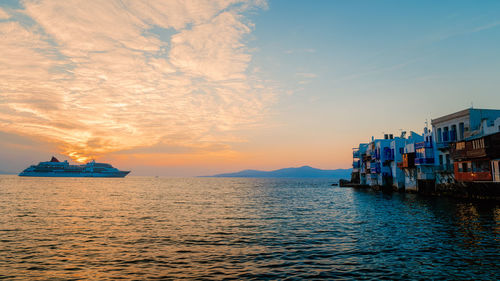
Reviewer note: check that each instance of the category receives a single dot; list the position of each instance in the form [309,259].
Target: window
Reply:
[439,136]
[461,130]
[453,133]
[445,134]
[474,166]
[464,167]
[483,166]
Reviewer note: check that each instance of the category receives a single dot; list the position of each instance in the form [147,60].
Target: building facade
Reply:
[458,127]
[461,147]
[477,159]
[407,164]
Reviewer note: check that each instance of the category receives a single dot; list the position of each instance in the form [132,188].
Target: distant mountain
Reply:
[301,172]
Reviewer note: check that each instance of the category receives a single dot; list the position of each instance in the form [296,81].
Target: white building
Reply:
[378,161]
[407,163]
[459,126]
[397,150]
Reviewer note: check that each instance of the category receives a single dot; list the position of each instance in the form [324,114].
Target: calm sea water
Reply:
[209,228]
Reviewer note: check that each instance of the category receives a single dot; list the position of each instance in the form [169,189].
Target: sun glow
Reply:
[95,80]
[78,158]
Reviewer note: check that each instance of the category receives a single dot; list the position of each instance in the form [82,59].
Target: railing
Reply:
[424,144]
[442,145]
[473,176]
[444,169]
[375,168]
[424,161]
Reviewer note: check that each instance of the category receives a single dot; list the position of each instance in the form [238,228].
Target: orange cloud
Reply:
[94,78]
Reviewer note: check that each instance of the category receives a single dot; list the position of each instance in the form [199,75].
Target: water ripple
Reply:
[201,228]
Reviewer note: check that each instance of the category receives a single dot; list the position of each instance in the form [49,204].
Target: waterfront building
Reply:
[407,163]
[477,159]
[459,156]
[378,158]
[394,156]
[358,175]
[378,162]
[425,162]
[459,126]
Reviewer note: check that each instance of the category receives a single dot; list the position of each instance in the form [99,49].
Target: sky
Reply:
[188,88]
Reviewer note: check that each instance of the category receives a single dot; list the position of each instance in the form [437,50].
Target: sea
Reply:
[148,228]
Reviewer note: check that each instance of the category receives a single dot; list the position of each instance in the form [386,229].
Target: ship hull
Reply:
[120,174]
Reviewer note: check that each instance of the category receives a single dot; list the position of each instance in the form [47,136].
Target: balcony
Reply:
[423,144]
[355,154]
[443,145]
[473,176]
[424,161]
[388,154]
[408,161]
[375,168]
[443,169]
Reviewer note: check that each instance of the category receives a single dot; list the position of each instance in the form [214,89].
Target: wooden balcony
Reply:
[485,147]
[408,161]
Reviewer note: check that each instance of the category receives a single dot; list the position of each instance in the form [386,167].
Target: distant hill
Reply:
[6,173]
[301,172]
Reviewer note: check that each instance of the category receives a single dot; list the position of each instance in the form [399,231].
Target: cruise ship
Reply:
[55,168]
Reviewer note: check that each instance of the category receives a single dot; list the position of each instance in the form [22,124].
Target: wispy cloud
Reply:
[486,26]
[456,32]
[306,75]
[295,51]
[88,76]
[3,14]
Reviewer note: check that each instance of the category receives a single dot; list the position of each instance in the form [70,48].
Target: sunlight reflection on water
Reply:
[140,227]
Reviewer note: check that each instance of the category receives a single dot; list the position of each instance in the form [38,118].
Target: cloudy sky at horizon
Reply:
[182,88]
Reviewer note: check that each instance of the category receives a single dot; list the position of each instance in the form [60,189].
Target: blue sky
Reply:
[359,68]
[201,87]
